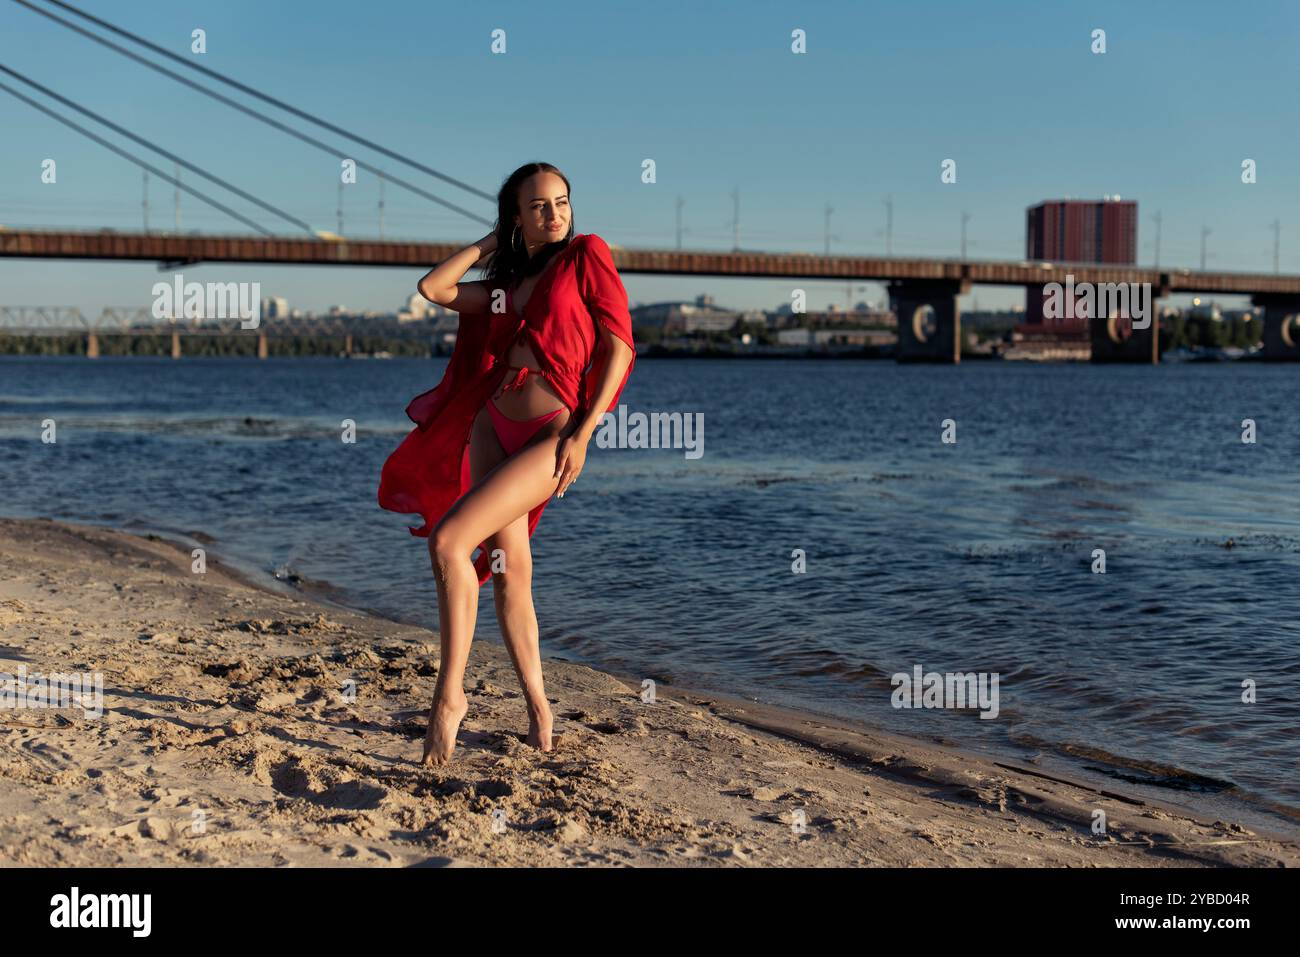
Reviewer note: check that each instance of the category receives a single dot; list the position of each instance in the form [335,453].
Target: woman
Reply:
[543,349]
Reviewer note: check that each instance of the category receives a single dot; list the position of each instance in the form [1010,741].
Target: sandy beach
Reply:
[244,726]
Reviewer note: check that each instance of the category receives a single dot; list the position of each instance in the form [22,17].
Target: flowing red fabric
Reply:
[578,288]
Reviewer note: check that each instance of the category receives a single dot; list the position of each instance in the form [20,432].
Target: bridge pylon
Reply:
[1281,341]
[1113,339]
[929,321]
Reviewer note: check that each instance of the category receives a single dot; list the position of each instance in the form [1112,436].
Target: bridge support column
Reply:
[92,346]
[261,345]
[1115,340]
[1281,326]
[176,345]
[929,322]
[347,344]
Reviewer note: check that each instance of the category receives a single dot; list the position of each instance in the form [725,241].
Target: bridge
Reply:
[923,292]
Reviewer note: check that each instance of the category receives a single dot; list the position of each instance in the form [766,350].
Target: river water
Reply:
[968,556]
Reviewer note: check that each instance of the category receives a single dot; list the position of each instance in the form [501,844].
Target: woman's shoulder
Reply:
[586,245]
[588,241]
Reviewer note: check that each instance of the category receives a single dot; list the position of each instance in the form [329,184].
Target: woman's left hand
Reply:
[570,457]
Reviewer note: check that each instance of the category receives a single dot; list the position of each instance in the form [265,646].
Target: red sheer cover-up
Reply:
[579,288]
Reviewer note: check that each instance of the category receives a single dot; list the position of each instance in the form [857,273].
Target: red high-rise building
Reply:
[1078,231]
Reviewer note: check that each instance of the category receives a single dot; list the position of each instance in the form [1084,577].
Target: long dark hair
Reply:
[511,262]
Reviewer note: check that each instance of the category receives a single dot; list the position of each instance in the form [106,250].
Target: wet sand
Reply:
[230,736]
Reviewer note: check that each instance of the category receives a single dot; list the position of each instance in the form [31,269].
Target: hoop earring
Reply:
[513,244]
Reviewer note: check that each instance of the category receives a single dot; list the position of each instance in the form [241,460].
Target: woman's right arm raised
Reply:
[443,285]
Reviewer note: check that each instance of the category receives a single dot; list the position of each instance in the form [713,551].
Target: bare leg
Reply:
[449,703]
[457,614]
[512,590]
[507,491]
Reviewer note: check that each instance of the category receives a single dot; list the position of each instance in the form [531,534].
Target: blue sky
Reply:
[711,92]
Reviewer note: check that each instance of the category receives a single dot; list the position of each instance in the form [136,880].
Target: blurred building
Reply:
[275,307]
[418,308]
[684,318]
[1082,231]
[1078,231]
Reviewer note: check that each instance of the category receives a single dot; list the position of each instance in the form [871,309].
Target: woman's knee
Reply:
[445,546]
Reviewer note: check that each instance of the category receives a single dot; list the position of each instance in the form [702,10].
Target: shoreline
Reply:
[221,704]
[1104,773]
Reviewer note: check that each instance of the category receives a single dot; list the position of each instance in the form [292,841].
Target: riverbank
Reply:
[229,735]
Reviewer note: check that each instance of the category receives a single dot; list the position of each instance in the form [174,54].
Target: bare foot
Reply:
[444,721]
[539,726]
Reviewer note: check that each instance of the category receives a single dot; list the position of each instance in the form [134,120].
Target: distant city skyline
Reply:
[1012,94]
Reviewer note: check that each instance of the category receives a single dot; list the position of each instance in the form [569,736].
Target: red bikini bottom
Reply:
[513,434]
